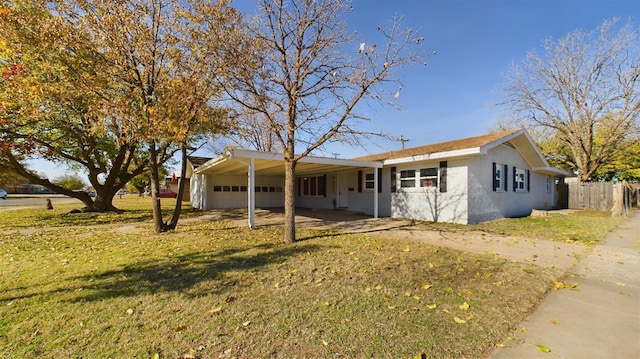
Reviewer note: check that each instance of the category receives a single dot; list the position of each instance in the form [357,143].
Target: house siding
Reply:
[197,183]
[429,203]
[486,204]
[270,194]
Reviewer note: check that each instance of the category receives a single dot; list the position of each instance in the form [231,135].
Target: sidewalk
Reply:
[598,319]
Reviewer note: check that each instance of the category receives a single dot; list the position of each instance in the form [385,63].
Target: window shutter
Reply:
[393,179]
[299,186]
[506,177]
[493,175]
[379,180]
[359,181]
[515,176]
[322,185]
[528,180]
[443,176]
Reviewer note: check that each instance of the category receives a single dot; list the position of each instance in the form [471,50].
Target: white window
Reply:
[407,178]
[429,177]
[369,182]
[520,179]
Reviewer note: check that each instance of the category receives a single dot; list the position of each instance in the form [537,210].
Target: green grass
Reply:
[134,209]
[209,290]
[586,227]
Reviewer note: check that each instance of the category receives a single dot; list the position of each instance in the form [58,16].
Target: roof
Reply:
[236,162]
[442,147]
[198,161]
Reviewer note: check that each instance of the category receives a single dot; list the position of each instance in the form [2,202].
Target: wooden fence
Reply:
[602,196]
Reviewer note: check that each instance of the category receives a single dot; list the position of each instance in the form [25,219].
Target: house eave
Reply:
[467,152]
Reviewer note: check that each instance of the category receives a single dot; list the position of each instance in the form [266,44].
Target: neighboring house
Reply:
[465,181]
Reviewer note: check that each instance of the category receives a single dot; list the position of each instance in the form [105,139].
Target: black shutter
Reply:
[379,180]
[299,186]
[393,179]
[359,181]
[528,180]
[443,176]
[515,176]
[506,177]
[493,173]
[322,185]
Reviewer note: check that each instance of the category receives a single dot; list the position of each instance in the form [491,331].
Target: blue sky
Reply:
[455,95]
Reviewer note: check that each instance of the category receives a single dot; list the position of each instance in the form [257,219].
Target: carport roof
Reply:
[236,161]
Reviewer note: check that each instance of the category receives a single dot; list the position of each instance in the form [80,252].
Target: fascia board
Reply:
[212,162]
[240,153]
[552,171]
[435,156]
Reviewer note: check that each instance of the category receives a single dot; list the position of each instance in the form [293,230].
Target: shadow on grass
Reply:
[216,270]
[184,273]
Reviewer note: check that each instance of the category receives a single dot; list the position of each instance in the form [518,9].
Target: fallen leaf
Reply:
[426,286]
[459,320]
[464,306]
[325,343]
[215,310]
[432,306]
[543,348]
[246,324]
[391,306]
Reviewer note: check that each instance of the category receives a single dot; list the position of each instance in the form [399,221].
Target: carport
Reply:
[257,163]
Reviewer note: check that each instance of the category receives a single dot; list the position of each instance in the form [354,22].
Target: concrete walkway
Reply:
[600,318]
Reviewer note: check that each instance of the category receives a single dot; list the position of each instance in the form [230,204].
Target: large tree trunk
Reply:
[159,225]
[178,208]
[289,201]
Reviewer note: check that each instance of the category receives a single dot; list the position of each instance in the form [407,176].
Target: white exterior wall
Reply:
[318,202]
[228,199]
[197,185]
[486,204]
[342,187]
[429,203]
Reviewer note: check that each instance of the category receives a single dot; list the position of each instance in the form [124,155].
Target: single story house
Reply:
[466,181]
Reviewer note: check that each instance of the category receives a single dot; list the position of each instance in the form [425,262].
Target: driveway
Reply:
[539,252]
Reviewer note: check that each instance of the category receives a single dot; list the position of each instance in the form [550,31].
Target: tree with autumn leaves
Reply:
[116,88]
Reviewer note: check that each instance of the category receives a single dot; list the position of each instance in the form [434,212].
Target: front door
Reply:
[343,190]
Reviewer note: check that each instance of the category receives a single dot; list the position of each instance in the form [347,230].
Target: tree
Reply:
[55,88]
[584,89]
[163,74]
[624,165]
[72,182]
[307,76]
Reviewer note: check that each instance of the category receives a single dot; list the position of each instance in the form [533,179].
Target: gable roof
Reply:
[442,147]
[519,139]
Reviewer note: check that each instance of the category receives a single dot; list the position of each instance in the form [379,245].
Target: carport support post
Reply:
[375,192]
[252,193]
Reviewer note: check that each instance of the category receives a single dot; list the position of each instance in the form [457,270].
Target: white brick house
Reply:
[464,181]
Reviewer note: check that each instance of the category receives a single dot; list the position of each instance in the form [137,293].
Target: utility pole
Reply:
[403,140]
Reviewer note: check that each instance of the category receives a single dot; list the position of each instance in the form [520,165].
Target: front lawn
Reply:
[586,226]
[209,290]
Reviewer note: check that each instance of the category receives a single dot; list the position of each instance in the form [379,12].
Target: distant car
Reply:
[3,194]
[167,193]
